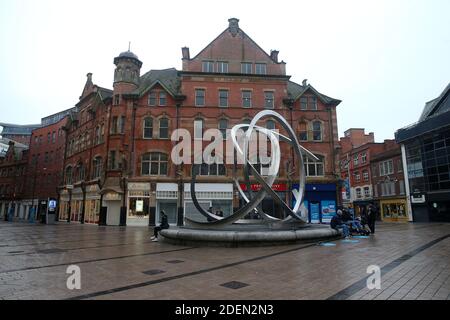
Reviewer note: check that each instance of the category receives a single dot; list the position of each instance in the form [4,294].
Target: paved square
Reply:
[122,263]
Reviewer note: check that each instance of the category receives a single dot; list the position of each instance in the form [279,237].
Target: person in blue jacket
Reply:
[337,223]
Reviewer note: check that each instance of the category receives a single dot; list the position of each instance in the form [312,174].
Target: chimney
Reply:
[304,82]
[185,52]
[233,26]
[89,77]
[274,55]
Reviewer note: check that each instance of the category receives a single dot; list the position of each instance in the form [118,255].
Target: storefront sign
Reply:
[139,186]
[110,196]
[257,187]
[139,205]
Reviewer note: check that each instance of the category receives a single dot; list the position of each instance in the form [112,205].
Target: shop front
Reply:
[76,205]
[138,204]
[269,205]
[394,210]
[166,199]
[92,209]
[320,201]
[217,197]
[64,207]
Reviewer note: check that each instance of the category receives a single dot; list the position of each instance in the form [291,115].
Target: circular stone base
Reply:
[247,236]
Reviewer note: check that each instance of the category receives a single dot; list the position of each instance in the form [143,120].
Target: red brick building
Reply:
[359,157]
[118,166]
[13,170]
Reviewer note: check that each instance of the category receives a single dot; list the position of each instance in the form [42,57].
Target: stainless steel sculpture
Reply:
[297,213]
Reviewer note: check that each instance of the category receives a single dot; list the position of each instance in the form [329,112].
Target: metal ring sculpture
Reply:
[266,183]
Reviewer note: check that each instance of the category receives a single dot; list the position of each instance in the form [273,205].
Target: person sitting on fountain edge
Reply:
[337,223]
[164,225]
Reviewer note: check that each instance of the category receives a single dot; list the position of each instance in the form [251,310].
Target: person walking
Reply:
[371,217]
[164,225]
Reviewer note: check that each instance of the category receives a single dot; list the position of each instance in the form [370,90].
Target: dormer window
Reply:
[260,68]
[222,67]
[207,66]
[246,67]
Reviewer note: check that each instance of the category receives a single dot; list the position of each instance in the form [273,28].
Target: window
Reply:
[198,129]
[114,125]
[364,157]
[122,124]
[400,165]
[312,103]
[303,132]
[357,176]
[48,137]
[367,192]
[366,175]
[355,160]
[97,167]
[222,67]
[207,66]
[53,136]
[223,125]
[199,97]
[386,168]
[152,98]
[317,130]
[303,103]
[247,99]
[212,169]
[162,98]
[46,157]
[358,193]
[148,128]
[112,160]
[260,68]
[116,99]
[154,164]
[401,185]
[97,135]
[270,124]
[388,188]
[68,176]
[246,67]
[163,128]
[314,168]
[80,172]
[268,100]
[223,98]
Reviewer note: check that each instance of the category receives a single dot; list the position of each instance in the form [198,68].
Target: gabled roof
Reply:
[167,78]
[296,91]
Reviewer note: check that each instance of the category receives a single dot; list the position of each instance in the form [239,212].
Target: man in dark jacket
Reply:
[338,223]
[164,225]
[371,217]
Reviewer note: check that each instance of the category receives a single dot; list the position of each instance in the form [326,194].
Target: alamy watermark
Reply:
[74,280]
[374,280]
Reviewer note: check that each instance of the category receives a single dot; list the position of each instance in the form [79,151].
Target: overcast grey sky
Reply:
[383,59]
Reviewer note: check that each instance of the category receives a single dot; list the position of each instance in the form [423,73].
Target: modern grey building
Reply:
[426,155]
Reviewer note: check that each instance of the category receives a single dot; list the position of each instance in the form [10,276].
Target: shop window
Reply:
[154,163]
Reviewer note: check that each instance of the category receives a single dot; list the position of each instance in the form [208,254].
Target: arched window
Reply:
[148,128]
[223,125]
[317,130]
[97,167]
[314,168]
[68,176]
[163,128]
[80,172]
[154,164]
[302,132]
